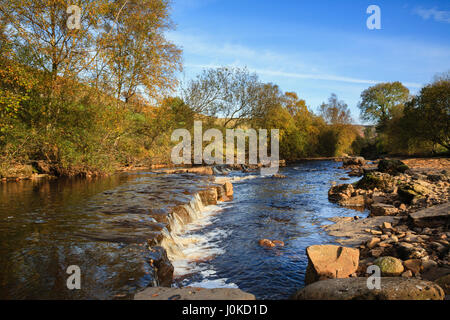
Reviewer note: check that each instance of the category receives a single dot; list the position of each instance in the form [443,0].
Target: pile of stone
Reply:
[392,189]
[410,244]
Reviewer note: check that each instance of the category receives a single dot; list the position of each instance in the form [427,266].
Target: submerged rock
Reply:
[396,288]
[329,261]
[266,243]
[270,243]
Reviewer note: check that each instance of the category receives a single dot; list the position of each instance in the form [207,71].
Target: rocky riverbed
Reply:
[406,234]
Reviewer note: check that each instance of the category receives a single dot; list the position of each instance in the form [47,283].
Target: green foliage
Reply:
[427,116]
[383,101]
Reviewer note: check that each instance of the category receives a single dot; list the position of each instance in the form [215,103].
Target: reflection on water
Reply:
[100,225]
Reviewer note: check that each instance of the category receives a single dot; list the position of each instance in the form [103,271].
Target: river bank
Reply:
[406,234]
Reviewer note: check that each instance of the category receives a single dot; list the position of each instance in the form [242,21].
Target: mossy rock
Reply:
[390,266]
[393,167]
[374,180]
[410,191]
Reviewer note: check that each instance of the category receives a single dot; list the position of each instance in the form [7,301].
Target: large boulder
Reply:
[396,288]
[379,180]
[329,261]
[392,167]
[390,266]
[189,293]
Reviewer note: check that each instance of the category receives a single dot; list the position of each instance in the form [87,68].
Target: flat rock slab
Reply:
[352,233]
[392,288]
[432,217]
[188,293]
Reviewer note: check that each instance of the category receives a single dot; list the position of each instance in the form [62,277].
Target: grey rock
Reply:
[188,293]
[392,288]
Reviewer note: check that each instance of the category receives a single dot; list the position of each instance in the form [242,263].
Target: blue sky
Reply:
[317,47]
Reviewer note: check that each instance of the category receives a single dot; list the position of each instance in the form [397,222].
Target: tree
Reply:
[427,115]
[442,76]
[139,58]
[380,102]
[335,111]
[42,27]
[228,93]
[121,42]
[295,106]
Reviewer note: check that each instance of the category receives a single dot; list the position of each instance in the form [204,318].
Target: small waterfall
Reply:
[181,245]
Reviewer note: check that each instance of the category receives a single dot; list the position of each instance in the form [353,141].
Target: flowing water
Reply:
[103,226]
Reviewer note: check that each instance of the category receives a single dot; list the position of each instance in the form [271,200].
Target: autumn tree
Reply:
[227,93]
[139,59]
[120,42]
[335,111]
[41,26]
[381,102]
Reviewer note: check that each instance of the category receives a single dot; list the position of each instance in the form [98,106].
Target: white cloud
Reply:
[433,13]
[215,55]
[310,76]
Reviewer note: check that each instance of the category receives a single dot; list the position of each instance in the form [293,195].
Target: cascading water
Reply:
[183,245]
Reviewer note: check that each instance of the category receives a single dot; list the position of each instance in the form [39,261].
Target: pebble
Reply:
[387,225]
[373,242]
[407,274]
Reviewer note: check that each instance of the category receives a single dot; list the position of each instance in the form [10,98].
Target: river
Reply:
[102,225]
